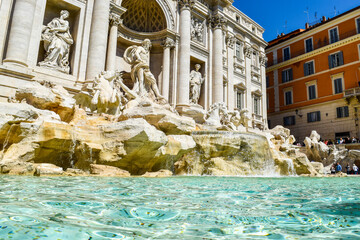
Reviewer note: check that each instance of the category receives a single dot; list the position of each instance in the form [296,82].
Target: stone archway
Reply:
[144,16]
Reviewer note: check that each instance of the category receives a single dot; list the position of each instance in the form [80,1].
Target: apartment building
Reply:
[313,78]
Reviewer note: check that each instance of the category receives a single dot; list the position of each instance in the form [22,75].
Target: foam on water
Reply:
[179,208]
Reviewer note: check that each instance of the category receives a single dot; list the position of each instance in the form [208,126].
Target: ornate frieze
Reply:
[217,21]
[186,4]
[168,43]
[114,19]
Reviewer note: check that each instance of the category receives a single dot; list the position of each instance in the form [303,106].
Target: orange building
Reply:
[313,78]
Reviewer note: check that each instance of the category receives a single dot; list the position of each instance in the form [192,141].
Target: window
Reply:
[287,75]
[309,68]
[267,81]
[286,53]
[257,105]
[238,50]
[342,112]
[255,59]
[312,92]
[336,59]
[338,88]
[358,25]
[289,121]
[314,116]
[309,45]
[288,97]
[334,37]
[239,99]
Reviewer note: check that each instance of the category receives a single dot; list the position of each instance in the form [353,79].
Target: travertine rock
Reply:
[17,168]
[173,124]
[302,165]
[315,150]
[319,167]
[108,171]
[46,169]
[158,174]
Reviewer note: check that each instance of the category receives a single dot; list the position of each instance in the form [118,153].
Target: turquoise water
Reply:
[179,208]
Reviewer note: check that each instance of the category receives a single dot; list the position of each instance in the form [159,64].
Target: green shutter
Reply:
[330,62]
[341,58]
[305,69]
[290,74]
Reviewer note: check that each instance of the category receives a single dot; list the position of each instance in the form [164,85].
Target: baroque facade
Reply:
[199,53]
[313,78]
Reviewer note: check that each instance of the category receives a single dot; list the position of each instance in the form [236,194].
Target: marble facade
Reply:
[214,37]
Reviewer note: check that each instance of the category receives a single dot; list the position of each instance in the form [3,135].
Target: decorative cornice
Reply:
[186,4]
[114,19]
[315,52]
[263,60]
[168,43]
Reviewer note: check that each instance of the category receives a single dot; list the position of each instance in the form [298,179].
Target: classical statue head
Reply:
[147,44]
[197,67]
[64,14]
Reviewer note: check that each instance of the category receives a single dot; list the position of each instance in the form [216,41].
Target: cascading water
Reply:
[7,139]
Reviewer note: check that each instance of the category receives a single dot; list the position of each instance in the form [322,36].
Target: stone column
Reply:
[183,81]
[20,32]
[111,52]
[230,43]
[217,23]
[168,44]
[248,60]
[263,60]
[98,38]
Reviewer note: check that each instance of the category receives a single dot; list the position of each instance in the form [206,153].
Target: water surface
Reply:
[179,208]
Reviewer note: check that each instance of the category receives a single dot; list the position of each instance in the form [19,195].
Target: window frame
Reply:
[343,112]
[283,52]
[290,78]
[334,85]
[341,61]
[292,122]
[292,96]
[337,32]
[242,98]
[313,64]
[308,91]
[316,120]
[258,105]
[357,25]
[312,44]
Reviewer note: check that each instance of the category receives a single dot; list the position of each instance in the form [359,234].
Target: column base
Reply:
[15,70]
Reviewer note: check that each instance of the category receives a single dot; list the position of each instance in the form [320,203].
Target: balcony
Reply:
[257,121]
[318,43]
[352,93]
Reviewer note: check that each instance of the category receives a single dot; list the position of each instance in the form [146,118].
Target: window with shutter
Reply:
[338,88]
[309,68]
[358,25]
[289,121]
[287,75]
[309,45]
[336,59]
[286,52]
[314,116]
[342,112]
[288,97]
[334,37]
[312,92]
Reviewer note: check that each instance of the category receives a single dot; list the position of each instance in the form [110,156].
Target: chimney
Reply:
[323,19]
[307,25]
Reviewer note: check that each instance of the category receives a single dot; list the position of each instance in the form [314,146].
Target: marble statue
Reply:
[217,115]
[57,41]
[144,81]
[196,80]
[197,30]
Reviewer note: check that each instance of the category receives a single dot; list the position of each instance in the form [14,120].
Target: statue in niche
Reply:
[144,81]
[196,80]
[197,30]
[57,41]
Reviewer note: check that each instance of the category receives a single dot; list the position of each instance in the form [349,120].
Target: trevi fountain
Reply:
[147,120]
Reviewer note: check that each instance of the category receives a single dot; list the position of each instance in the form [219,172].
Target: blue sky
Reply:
[275,15]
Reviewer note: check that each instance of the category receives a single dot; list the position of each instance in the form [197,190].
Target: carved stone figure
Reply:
[57,41]
[240,118]
[107,94]
[218,116]
[144,81]
[196,80]
[197,30]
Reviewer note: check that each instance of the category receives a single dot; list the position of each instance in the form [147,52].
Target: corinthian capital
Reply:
[263,60]
[114,19]
[230,41]
[248,50]
[217,21]
[186,4]
[168,43]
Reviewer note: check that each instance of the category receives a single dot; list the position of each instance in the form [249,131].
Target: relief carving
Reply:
[197,30]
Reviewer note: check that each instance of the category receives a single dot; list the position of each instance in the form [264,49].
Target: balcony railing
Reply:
[352,92]
[318,43]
